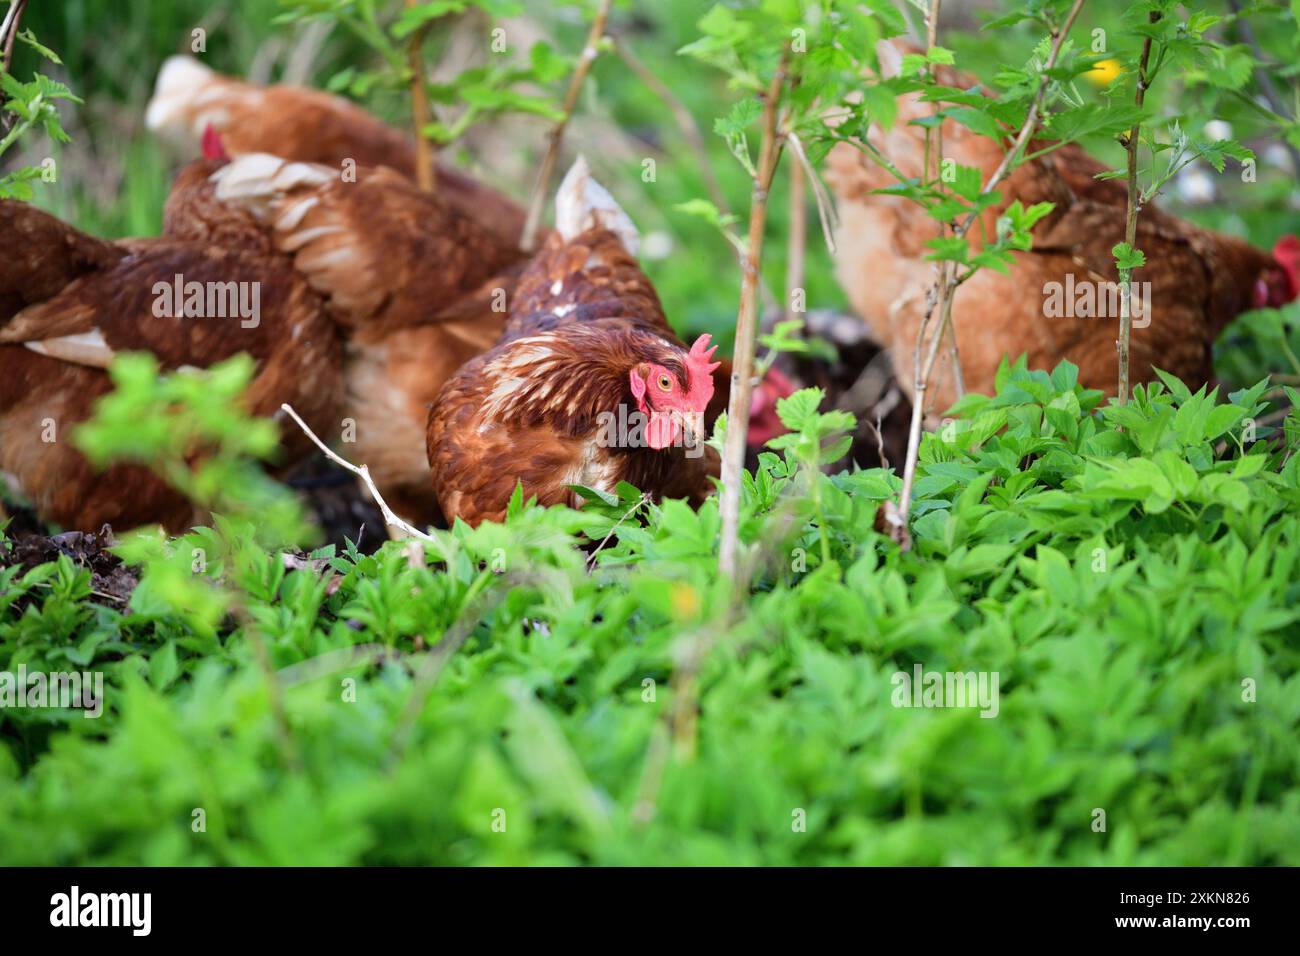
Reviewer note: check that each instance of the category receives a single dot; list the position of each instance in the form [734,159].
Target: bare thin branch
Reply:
[528,239]
[9,32]
[944,268]
[954,355]
[825,208]
[1132,207]
[686,124]
[420,107]
[797,248]
[742,381]
[363,473]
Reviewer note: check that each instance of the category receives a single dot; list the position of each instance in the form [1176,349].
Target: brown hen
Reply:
[588,386]
[1199,280]
[308,125]
[69,303]
[417,287]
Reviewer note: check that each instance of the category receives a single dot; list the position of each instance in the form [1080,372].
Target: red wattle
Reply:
[661,431]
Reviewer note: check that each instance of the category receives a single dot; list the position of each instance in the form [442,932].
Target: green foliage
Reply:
[1123,569]
[33,105]
[1169,41]
[1128,258]
[478,93]
[192,429]
[824,50]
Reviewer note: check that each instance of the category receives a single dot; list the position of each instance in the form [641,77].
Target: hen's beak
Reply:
[692,426]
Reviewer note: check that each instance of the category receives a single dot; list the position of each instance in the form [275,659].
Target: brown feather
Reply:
[1200,280]
[530,410]
[313,126]
[296,349]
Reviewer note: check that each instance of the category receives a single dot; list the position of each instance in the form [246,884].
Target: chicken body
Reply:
[543,407]
[1060,299]
[417,288]
[555,403]
[420,285]
[70,302]
[310,126]
[403,269]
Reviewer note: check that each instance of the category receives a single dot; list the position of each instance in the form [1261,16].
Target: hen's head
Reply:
[213,148]
[764,423]
[674,400]
[1280,283]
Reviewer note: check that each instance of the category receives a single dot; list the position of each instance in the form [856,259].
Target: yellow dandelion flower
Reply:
[1103,72]
[686,601]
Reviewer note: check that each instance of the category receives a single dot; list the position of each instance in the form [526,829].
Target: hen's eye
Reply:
[665,383]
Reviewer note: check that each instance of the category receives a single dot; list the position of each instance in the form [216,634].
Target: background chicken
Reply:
[416,287]
[1200,280]
[422,283]
[70,302]
[300,123]
[587,339]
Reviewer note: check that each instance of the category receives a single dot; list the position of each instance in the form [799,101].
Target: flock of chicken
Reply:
[410,326]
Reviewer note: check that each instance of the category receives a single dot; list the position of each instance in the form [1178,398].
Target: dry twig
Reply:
[9,32]
[796,250]
[420,107]
[363,473]
[591,558]
[825,207]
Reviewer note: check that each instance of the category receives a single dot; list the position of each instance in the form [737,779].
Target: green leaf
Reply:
[164,666]
[414,17]
[29,38]
[1127,257]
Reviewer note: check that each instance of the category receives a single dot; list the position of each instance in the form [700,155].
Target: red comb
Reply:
[698,357]
[212,145]
[1287,253]
[700,370]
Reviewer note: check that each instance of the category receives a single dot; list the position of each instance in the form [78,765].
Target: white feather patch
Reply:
[181,81]
[298,174]
[291,216]
[299,239]
[256,180]
[581,203]
[85,348]
[247,177]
